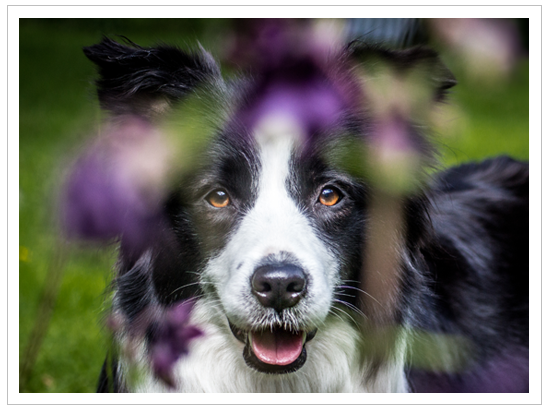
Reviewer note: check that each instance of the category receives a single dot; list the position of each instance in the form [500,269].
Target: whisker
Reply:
[191,284]
[343,294]
[334,311]
[351,307]
[346,313]
[210,303]
[360,290]
[194,298]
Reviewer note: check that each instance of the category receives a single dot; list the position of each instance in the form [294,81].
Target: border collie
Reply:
[268,241]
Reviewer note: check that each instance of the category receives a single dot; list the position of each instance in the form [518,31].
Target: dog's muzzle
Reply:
[276,349]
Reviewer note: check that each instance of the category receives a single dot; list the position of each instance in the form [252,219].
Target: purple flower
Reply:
[295,81]
[171,341]
[115,187]
[489,49]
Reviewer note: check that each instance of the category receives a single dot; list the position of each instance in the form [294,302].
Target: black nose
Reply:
[279,286]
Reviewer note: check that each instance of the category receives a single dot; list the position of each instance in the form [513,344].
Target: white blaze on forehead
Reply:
[276,136]
[275,153]
[275,214]
[275,224]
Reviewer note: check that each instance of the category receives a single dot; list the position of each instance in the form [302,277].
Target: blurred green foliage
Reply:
[489,119]
[58,111]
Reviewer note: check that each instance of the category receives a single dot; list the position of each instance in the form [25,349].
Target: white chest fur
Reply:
[216,365]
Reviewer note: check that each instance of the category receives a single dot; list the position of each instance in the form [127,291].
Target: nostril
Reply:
[279,286]
[296,286]
[260,285]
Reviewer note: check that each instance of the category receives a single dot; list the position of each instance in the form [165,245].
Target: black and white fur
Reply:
[464,262]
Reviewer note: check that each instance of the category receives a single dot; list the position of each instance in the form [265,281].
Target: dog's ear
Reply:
[144,81]
[420,59]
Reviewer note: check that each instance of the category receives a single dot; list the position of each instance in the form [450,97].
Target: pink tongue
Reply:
[278,347]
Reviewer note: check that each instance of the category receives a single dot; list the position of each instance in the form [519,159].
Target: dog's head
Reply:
[267,229]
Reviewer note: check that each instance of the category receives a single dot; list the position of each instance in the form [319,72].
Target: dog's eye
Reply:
[218,198]
[330,196]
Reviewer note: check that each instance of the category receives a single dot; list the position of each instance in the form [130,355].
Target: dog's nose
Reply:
[279,286]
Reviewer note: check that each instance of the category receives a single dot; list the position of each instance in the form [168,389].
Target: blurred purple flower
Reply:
[171,341]
[396,152]
[290,61]
[393,135]
[488,48]
[114,188]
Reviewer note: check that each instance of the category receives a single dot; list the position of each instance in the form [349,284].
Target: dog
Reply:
[269,244]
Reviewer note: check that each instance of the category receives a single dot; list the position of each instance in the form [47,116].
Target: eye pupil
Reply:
[218,199]
[329,196]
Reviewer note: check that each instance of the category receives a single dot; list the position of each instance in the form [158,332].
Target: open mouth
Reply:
[274,350]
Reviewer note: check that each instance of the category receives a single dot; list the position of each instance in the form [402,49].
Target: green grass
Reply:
[58,112]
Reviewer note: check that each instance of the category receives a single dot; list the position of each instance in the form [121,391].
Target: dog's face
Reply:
[280,231]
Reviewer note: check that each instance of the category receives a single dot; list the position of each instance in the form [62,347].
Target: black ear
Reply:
[138,80]
[404,61]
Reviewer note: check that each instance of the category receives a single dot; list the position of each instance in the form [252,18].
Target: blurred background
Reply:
[487,114]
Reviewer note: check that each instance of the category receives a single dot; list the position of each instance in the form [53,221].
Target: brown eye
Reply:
[330,196]
[218,198]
